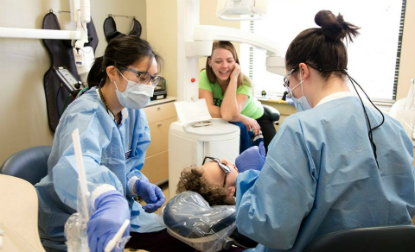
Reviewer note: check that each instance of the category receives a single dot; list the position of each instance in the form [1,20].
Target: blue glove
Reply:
[251,159]
[151,194]
[111,210]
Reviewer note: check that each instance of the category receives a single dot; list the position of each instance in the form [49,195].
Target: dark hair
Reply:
[191,179]
[322,48]
[230,47]
[121,52]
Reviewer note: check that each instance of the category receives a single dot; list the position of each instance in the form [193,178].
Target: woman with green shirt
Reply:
[228,92]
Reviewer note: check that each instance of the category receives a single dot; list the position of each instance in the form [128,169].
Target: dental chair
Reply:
[375,239]
[28,164]
[18,218]
[19,201]
[190,219]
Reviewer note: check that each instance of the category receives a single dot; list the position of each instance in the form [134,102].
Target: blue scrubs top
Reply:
[112,154]
[320,176]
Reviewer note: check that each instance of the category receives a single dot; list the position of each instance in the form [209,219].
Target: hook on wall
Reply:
[112,15]
[59,11]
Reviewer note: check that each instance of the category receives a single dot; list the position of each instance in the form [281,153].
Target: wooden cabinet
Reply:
[160,114]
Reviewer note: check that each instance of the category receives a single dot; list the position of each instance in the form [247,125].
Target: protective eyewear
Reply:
[223,166]
[143,77]
[286,83]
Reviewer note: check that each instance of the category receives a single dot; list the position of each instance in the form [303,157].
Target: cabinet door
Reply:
[160,112]
[156,168]
[159,118]
[159,136]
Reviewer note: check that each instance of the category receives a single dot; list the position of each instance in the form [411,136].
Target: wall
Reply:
[23,63]
[101,8]
[162,35]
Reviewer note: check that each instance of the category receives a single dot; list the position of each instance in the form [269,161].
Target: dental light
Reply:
[248,9]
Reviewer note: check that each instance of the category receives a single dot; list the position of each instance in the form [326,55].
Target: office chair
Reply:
[273,112]
[375,239]
[29,164]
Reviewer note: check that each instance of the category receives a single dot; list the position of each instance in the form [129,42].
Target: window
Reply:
[373,55]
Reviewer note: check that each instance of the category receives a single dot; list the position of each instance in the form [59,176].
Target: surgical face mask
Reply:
[136,95]
[301,104]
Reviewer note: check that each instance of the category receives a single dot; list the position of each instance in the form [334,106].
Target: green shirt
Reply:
[253,108]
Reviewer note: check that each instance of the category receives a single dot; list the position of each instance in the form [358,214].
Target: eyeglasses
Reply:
[223,166]
[286,83]
[143,77]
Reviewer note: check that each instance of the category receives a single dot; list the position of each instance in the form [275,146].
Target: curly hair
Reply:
[191,179]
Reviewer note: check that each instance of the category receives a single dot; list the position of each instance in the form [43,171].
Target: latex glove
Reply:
[151,194]
[111,210]
[252,158]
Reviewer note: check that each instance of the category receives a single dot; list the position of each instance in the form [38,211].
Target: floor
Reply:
[165,188]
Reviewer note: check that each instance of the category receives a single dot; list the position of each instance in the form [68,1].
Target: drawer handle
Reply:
[159,108]
[159,125]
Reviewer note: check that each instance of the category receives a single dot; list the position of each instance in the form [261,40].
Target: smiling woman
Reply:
[228,93]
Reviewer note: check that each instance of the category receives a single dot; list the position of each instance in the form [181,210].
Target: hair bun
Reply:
[335,28]
[330,26]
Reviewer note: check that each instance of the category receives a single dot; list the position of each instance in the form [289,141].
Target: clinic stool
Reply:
[29,164]
[273,112]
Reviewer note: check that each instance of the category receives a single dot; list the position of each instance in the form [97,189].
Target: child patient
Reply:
[215,180]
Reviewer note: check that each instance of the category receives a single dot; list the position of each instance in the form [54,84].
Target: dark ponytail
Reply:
[97,74]
[121,52]
[322,48]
